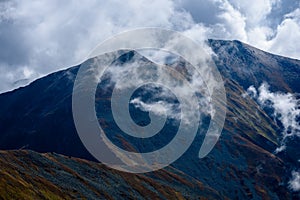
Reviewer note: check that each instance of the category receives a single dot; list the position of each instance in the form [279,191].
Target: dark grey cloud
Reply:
[202,11]
[13,52]
[278,12]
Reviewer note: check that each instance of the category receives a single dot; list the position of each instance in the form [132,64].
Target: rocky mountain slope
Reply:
[242,165]
[30,175]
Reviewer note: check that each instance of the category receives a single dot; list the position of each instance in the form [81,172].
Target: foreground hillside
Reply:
[30,175]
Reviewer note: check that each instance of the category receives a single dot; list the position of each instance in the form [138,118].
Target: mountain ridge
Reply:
[209,42]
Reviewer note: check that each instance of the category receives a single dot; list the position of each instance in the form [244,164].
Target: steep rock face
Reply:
[242,165]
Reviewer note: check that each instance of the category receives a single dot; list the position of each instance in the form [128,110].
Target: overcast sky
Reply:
[39,37]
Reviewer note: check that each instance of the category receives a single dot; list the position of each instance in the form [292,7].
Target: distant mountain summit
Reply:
[242,165]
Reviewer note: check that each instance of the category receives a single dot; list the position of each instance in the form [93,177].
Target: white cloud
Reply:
[294,183]
[45,36]
[286,109]
[249,22]
[255,11]
[50,35]
[158,108]
[286,42]
[251,91]
[233,22]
